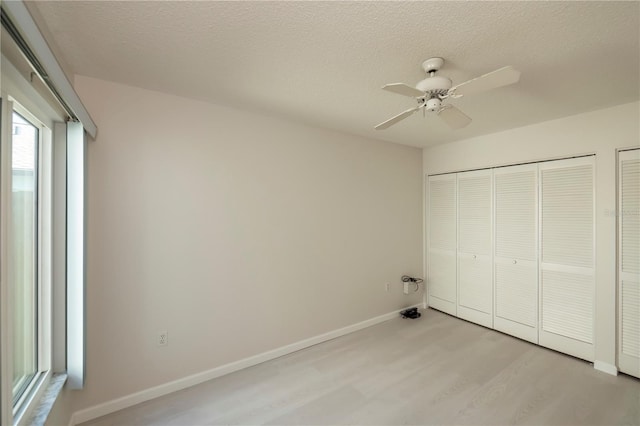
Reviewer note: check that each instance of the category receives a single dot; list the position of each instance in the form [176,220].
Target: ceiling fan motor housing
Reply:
[434,86]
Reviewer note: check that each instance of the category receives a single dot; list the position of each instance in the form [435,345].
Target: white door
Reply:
[567,279]
[629,262]
[516,251]
[475,279]
[442,243]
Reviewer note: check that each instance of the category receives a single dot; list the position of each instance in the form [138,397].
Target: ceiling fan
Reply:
[433,90]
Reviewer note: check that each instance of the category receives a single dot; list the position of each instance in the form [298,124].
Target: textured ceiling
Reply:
[323,63]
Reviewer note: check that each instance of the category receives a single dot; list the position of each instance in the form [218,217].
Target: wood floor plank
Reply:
[434,370]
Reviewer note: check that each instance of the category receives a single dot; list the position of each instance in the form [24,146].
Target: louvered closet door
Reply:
[629,262]
[475,280]
[516,251]
[442,243]
[567,256]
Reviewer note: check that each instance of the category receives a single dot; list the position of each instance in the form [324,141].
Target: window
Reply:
[24,259]
[29,257]
[41,258]
[34,175]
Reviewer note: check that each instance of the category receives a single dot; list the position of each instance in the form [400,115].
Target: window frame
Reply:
[23,407]
[27,382]
[18,94]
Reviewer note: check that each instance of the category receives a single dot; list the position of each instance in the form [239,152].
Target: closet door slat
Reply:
[567,216]
[442,238]
[516,251]
[475,242]
[474,212]
[630,215]
[567,283]
[629,262]
[516,213]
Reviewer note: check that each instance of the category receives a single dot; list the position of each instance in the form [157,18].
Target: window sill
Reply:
[43,407]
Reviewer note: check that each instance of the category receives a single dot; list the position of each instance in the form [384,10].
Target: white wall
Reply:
[235,232]
[598,132]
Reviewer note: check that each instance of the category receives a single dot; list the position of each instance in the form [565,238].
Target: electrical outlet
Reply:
[163,338]
[386,287]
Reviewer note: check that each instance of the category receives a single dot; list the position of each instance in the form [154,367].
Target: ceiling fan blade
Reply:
[498,78]
[454,118]
[394,120]
[403,89]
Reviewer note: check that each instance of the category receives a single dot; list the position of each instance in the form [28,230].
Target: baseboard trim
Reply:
[605,367]
[126,401]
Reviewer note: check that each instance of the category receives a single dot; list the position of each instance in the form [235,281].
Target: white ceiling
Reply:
[323,63]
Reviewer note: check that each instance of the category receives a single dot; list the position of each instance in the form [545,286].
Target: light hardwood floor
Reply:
[434,370]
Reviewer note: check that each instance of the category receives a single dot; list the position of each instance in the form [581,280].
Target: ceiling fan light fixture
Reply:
[433,104]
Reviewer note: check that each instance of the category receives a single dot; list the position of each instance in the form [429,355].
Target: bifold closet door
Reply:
[516,251]
[475,276]
[629,262]
[442,243]
[567,281]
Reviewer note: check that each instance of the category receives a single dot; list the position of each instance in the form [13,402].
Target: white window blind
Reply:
[76,146]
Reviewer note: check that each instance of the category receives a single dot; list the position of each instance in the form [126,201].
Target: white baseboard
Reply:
[606,367]
[176,385]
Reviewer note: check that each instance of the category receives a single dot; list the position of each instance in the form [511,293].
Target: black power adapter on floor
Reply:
[410,313]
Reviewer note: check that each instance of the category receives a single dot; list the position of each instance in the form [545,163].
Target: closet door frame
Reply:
[506,325]
[568,345]
[436,302]
[626,363]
